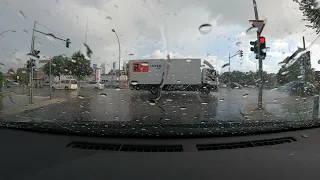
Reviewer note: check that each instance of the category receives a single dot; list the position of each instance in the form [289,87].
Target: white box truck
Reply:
[171,75]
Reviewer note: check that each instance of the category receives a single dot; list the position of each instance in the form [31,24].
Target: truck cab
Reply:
[210,79]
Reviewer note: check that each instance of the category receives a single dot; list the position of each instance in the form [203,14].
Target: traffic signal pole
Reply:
[31,68]
[33,53]
[260,58]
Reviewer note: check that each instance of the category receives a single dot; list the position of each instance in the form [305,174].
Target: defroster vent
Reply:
[125,147]
[245,144]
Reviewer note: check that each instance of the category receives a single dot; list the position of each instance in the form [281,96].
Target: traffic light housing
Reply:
[36,53]
[31,63]
[262,42]
[254,47]
[240,53]
[68,43]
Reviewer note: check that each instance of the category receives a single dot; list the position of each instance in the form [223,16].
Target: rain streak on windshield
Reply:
[157,68]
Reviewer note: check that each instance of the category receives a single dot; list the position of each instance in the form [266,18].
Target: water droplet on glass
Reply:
[103,94]
[131,54]
[252,30]
[50,37]
[25,31]
[89,51]
[205,28]
[238,43]
[134,82]
[204,103]
[183,108]
[188,60]
[116,7]
[304,135]
[117,89]
[80,96]
[53,64]
[152,102]
[221,100]
[245,95]
[178,81]
[22,15]
[169,100]
[108,18]
[144,64]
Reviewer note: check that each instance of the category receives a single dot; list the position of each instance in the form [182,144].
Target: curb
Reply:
[30,107]
[254,113]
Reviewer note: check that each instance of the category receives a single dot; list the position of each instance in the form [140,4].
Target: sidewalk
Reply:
[19,103]
[294,108]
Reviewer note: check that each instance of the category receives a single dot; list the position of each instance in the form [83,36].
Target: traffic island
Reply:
[272,111]
[251,112]
[18,103]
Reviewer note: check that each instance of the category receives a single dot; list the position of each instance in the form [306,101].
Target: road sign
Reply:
[259,24]
[44,61]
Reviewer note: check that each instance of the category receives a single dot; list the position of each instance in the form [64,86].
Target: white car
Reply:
[93,85]
[68,84]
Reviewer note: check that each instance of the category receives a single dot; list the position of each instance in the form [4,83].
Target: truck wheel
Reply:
[154,90]
[205,90]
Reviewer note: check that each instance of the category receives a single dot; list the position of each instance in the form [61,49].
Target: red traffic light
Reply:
[262,40]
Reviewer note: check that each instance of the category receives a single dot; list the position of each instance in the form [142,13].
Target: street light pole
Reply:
[119,51]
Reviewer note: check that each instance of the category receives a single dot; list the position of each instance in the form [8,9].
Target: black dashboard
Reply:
[34,155]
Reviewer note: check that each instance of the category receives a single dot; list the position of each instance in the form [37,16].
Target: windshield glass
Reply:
[166,68]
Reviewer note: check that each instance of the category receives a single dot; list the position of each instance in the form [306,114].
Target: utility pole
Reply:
[31,68]
[260,58]
[113,30]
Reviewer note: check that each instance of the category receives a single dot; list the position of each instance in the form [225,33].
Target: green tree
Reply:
[1,79]
[79,66]
[58,66]
[311,12]
[249,78]
[291,71]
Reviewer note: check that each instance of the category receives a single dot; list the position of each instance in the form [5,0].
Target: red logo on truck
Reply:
[140,67]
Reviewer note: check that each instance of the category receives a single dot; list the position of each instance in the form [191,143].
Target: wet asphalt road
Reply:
[138,106]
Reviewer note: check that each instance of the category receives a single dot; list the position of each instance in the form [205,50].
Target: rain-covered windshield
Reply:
[158,67]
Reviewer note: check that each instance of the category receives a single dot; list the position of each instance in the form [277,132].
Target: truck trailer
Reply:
[171,75]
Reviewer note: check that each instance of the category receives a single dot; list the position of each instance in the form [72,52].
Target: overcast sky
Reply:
[154,28]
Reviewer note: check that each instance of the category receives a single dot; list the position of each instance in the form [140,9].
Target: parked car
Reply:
[112,84]
[69,84]
[92,85]
[47,83]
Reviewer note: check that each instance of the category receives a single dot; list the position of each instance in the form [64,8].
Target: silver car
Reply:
[92,85]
